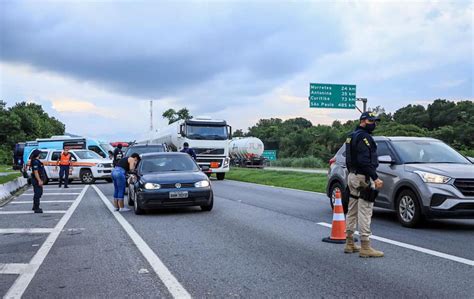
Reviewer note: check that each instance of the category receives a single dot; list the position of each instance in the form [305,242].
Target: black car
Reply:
[169,179]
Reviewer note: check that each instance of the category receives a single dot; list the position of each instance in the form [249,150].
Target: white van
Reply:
[87,166]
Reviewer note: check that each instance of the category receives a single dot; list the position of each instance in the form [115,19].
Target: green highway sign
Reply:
[332,96]
[270,155]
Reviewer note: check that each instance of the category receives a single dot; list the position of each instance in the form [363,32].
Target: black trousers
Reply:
[64,172]
[38,192]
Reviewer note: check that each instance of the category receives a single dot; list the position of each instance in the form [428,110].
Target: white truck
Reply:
[246,152]
[208,137]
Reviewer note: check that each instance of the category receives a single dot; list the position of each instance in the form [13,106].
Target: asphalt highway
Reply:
[257,242]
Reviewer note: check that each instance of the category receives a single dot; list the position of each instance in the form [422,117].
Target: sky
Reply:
[95,65]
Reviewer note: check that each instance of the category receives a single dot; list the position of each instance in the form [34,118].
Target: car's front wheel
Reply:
[130,196]
[408,209]
[136,205]
[208,207]
[344,196]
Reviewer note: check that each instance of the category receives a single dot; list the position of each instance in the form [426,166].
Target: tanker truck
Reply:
[208,137]
[246,152]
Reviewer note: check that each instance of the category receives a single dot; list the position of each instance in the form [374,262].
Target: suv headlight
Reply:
[152,186]
[201,184]
[429,177]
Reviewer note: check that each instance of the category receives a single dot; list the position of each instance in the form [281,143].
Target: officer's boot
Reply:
[367,251]
[351,246]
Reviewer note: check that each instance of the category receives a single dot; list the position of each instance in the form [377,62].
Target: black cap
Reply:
[370,116]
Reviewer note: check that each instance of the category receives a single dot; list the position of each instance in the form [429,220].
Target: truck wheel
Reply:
[86,176]
[408,209]
[220,176]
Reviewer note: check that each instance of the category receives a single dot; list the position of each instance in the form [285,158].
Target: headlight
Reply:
[201,184]
[100,165]
[428,177]
[152,186]
[226,162]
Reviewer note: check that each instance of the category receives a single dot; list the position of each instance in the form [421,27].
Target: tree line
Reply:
[22,122]
[451,122]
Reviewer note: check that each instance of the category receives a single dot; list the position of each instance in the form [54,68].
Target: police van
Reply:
[86,165]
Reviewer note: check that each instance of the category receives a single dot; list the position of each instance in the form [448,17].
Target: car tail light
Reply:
[332,161]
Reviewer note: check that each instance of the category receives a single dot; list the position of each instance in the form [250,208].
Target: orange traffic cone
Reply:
[338,234]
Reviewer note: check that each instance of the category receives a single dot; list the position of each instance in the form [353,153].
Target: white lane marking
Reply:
[13,268]
[57,188]
[17,202]
[276,187]
[22,282]
[29,212]
[173,285]
[25,230]
[46,193]
[416,248]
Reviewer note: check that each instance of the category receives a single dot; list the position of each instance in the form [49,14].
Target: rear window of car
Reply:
[145,149]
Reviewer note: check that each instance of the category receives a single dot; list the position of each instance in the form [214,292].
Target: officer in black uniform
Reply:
[38,175]
[188,150]
[118,154]
[362,163]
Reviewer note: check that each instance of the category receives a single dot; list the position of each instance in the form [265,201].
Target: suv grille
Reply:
[209,151]
[108,165]
[466,186]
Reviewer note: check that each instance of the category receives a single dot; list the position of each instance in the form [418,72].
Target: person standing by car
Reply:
[186,149]
[362,162]
[123,166]
[64,163]
[118,154]
[37,178]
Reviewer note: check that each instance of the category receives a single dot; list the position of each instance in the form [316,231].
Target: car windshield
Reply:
[207,132]
[427,151]
[145,149]
[168,163]
[107,147]
[87,155]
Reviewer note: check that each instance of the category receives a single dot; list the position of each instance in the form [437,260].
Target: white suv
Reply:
[87,166]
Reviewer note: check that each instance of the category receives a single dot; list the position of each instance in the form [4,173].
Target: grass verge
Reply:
[7,178]
[287,179]
[6,168]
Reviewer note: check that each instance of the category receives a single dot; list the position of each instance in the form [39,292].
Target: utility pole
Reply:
[364,104]
[151,116]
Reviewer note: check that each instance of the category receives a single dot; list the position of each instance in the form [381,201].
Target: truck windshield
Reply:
[427,152]
[207,132]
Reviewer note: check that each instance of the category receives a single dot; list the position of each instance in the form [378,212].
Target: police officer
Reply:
[38,176]
[188,150]
[118,154]
[362,162]
[64,163]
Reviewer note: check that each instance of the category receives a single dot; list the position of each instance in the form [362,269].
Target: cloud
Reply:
[77,106]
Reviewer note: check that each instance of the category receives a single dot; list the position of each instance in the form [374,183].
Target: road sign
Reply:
[270,155]
[332,96]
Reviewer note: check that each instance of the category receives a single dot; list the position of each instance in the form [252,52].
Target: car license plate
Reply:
[179,194]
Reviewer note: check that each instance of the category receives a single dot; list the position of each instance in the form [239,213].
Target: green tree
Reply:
[173,115]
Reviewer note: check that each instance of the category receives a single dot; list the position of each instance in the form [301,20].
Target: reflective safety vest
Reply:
[65,160]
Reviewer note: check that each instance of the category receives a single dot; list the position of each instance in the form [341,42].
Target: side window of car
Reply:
[55,156]
[43,155]
[383,150]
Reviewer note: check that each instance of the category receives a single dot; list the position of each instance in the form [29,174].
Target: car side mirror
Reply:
[385,159]
[205,168]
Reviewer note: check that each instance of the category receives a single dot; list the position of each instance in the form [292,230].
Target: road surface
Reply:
[258,241]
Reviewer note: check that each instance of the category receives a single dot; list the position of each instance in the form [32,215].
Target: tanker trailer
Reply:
[246,152]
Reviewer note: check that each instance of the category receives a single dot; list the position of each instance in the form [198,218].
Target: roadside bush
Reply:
[5,156]
[306,162]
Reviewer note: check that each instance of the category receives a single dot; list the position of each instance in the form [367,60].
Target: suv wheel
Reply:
[86,176]
[344,194]
[408,209]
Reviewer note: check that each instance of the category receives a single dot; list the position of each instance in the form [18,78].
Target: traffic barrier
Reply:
[7,189]
[338,234]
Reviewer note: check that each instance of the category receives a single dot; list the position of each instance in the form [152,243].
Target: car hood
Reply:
[450,170]
[174,177]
